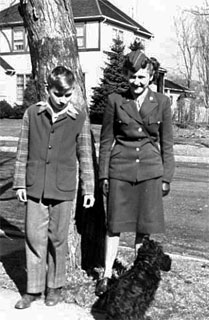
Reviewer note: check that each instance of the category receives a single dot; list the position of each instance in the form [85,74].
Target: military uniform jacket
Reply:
[126,152]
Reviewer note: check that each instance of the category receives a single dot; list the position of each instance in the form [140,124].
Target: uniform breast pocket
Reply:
[154,120]
[154,124]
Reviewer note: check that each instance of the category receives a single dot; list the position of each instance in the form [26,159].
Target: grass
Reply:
[183,292]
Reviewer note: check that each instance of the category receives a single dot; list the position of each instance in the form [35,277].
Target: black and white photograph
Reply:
[104,159]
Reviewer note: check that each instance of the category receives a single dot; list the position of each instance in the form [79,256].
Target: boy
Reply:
[53,135]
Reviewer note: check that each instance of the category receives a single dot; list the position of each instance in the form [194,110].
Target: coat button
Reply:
[137,149]
[50,147]
[137,160]
[140,129]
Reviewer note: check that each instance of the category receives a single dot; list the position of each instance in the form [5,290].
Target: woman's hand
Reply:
[104,186]
[21,195]
[88,201]
[165,188]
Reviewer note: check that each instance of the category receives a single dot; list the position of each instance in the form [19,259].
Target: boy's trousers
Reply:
[46,228]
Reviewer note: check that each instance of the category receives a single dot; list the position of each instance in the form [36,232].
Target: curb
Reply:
[178,158]
[176,256]
[7,233]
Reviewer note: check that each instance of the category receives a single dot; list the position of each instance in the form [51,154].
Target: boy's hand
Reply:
[21,195]
[88,201]
[165,188]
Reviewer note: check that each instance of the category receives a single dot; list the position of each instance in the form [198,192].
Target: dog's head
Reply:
[152,252]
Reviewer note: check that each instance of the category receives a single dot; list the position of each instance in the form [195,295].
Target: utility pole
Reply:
[135,10]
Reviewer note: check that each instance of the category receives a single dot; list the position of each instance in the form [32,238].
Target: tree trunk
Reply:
[51,37]
[52,41]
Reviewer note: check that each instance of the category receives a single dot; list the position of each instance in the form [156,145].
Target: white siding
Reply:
[5,40]
[91,61]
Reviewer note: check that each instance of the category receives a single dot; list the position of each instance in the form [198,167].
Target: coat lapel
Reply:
[129,106]
[150,103]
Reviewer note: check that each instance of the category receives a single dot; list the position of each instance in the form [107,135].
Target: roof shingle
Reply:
[82,9]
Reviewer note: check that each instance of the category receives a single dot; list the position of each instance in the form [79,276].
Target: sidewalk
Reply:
[71,311]
[38,310]
[183,153]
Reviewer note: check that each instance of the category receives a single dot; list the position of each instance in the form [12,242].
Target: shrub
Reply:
[5,109]
[30,94]
[17,112]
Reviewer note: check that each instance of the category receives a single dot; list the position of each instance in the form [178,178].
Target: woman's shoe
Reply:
[102,286]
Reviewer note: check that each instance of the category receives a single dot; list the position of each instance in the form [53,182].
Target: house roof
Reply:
[6,66]
[169,84]
[10,15]
[105,9]
[84,10]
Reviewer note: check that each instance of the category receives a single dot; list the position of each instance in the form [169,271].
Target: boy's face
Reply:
[59,98]
[139,81]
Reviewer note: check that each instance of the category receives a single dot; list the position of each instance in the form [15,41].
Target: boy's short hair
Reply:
[60,78]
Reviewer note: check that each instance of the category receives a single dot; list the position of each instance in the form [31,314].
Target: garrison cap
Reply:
[136,60]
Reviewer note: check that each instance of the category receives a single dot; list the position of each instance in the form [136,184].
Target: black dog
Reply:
[129,297]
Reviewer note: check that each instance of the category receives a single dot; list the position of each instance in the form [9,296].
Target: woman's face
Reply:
[139,81]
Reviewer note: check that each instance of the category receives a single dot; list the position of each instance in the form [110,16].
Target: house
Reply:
[97,22]
[181,99]
[185,105]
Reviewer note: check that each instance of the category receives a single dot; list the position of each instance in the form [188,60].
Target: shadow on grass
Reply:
[12,254]
[5,188]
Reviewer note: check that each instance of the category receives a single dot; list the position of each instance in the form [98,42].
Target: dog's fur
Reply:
[129,297]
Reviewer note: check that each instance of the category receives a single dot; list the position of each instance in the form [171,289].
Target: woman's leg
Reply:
[138,241]
[111,249]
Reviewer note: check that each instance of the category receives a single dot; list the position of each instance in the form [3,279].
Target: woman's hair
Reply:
[61,78]
[154,64]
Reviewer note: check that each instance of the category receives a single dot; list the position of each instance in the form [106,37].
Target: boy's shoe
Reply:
[53,296]
[26,300]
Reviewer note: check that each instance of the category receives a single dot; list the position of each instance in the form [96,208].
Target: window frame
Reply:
[22,40]
[83,25]
[26,78]
[117,34]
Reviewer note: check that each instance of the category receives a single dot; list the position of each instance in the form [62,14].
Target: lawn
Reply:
[183,293]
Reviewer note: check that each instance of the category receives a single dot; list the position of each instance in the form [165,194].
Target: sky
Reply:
[157,16]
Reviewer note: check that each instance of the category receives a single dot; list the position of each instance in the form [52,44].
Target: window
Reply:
[84,32]
[80,33]
[117,34]
[18,39]
[22,81]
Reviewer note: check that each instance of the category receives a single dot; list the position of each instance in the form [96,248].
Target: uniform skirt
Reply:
[135,207]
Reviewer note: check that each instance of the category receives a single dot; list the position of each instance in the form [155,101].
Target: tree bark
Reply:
[52,41]
[51,37]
